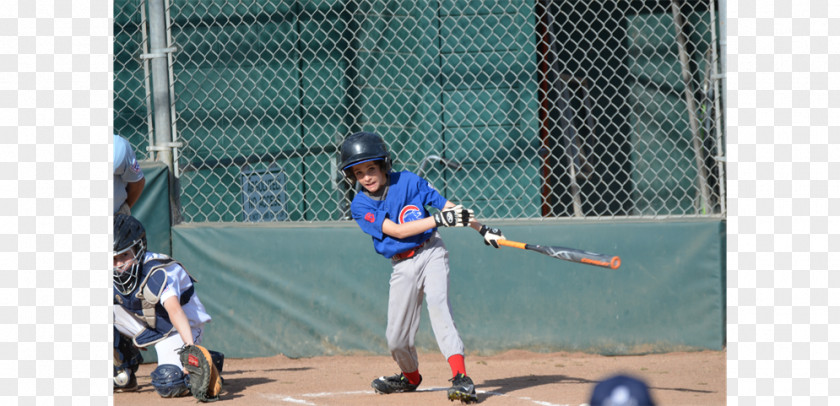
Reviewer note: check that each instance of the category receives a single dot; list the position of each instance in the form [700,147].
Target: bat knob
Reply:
[615,262]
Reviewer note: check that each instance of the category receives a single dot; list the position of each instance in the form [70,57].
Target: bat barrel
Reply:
[597,260]
[567,254]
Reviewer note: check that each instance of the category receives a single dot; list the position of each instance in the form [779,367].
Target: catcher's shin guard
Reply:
[126,355]
[218,359]
[127,360]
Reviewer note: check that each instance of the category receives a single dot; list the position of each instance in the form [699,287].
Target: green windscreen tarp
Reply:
[308,291]
[152,208]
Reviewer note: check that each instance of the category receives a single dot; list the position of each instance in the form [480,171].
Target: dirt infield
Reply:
[512,378]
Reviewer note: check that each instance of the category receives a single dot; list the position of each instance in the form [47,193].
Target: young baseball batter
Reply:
[155,304]
[391,208]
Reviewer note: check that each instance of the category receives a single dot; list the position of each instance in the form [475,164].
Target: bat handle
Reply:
[509,243]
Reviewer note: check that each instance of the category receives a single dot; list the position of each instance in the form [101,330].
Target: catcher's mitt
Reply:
[204,379]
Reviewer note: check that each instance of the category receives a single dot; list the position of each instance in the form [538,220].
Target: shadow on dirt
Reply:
[683,390]
[247,371]
[502,387]
[513,383]
[233,387]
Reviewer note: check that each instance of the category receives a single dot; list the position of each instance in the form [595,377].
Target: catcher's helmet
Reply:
[129,234]
[363,147]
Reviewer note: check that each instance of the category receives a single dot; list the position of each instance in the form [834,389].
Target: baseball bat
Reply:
[568,254]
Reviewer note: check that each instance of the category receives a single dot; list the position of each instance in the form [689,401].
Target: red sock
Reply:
[456,362]
[413,377]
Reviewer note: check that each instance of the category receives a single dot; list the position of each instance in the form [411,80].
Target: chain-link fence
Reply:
[532,109]
[132,102]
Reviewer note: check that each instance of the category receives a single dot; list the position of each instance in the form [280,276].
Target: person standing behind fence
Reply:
[129,180]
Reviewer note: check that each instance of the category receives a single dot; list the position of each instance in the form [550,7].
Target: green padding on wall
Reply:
[296,291]
[666,296]
[307,291]
[152,209]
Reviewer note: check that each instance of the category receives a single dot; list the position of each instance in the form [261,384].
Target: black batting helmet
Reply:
[129,234]
[362,147]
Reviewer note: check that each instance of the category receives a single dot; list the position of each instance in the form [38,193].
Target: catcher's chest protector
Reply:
[144,301]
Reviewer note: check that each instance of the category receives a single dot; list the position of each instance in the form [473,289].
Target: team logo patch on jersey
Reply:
[410,213]
[369,217]
[135,166]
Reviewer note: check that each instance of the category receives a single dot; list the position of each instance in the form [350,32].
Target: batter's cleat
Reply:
[462,389]
[393,384]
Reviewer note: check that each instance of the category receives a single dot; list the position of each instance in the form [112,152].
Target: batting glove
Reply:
[457,216]
[491,235]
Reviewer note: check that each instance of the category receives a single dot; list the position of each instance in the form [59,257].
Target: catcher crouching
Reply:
[155,304]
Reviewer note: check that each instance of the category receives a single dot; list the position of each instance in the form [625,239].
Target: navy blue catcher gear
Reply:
[362,147]
[127,360]
[129,234]
[169,381]
[126,355]
[218,359]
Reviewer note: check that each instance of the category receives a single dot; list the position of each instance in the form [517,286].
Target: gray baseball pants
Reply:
[426,272]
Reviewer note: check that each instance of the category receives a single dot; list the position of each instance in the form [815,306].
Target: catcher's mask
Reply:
[129,235]
[363,147]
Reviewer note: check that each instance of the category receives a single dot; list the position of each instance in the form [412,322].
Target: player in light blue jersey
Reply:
[128,177]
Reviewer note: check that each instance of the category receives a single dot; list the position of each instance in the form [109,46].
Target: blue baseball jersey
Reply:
[406,200]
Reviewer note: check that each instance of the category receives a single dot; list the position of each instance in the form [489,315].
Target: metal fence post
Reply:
[717,77]
[161,101]
[702,183]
